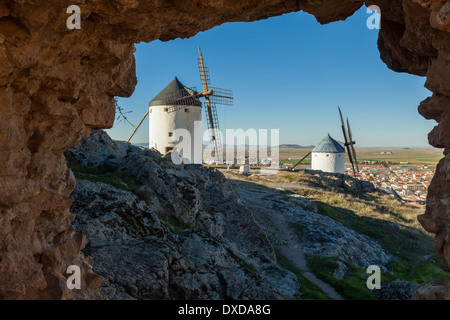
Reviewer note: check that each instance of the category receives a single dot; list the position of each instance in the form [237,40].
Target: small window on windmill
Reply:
[170,134]
[328,155]
[186,109]
[166,109]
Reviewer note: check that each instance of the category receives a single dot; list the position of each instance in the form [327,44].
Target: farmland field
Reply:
[416,156]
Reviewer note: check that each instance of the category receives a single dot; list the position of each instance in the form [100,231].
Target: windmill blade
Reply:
[176,100]
[349,152]
[204,71]
[146,114]
[222,96]
[343,126]
[214,132]
[346,142]
[352,145]
[183,96]
[211,112]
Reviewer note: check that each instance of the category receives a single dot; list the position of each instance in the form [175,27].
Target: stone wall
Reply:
[58,84]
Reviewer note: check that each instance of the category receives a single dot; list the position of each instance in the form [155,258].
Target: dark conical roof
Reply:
[329,145]
[174,86]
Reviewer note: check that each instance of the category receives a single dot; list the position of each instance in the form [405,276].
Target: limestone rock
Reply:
[324,236]
[215,250]
[433,290]
[395,290]
[99,148]
[138,257]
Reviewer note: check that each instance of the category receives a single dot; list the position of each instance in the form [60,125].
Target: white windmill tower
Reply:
[164,120]
[179,107]
[328,156]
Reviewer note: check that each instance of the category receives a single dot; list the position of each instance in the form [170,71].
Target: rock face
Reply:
[320,235]
[395,290]
[340,182]
[190,238]
[58,84]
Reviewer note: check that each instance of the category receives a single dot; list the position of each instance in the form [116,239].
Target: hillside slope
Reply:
[335,227]
[157,230]
[165,231]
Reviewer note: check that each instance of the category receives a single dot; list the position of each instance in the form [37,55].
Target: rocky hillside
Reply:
[157,230]
[53,93]
[329,228]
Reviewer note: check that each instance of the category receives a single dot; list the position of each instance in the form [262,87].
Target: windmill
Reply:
[176,97]
[349,144]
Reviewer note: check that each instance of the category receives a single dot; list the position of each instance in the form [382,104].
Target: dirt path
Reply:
[284,238]
[293,251]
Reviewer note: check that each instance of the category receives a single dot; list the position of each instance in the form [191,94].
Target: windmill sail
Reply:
[352,147]
[347,144]
[211,111]
[178,99]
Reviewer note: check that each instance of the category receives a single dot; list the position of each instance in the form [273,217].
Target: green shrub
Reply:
[309,291]
[352,288]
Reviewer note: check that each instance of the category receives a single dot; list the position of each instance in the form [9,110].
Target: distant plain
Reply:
[414,156]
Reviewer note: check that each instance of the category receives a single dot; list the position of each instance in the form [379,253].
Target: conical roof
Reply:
[172,87]
[329,145]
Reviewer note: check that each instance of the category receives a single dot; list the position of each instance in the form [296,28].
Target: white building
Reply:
[164,120]
[244,169]
[328,156]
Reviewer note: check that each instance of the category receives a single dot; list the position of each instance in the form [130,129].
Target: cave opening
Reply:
[292,73]
[57,85]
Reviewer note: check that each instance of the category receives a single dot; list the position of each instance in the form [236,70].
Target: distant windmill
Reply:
[179,105]
[349,144]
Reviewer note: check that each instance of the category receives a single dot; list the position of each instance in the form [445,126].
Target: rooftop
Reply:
[328,145]
[174,89]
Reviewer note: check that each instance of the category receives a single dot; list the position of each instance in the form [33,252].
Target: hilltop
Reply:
[294,146]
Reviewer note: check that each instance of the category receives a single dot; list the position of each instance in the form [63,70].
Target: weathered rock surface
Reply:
[395,290]
[58,84]
[217,252]
[339,182]
[98,149]
[433,290]
[320,235]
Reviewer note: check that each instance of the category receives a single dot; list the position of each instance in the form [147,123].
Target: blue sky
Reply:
[290,73]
